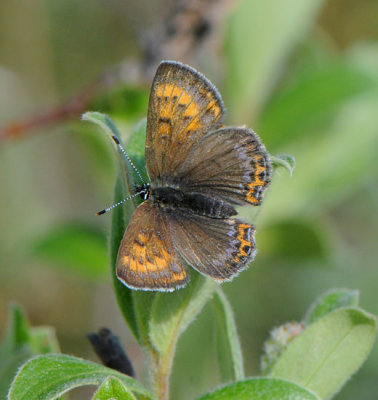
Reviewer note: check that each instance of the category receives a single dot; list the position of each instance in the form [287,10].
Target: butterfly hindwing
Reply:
[183,106]
[219,248]
[231,163]
[146,258]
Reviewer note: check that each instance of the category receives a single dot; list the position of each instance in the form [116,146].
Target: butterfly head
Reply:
[143,190]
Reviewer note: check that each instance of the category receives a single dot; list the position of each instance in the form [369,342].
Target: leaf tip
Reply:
[286,161]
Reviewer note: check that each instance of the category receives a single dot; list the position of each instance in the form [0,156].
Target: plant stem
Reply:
[162,371]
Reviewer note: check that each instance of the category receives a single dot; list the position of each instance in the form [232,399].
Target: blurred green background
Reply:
[303,74]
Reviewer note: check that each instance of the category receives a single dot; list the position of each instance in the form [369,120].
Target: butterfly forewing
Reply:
[183,106]
[146,257]
[231,163]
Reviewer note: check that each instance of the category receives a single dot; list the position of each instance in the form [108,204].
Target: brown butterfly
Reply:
[198,170]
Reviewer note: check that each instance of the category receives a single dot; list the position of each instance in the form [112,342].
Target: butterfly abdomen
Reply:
[200,204]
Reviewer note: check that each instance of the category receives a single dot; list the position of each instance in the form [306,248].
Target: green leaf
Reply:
[143,302]
[48,377]
[21,342]
[137,140]
[15,348]
[329,351]
[77,248]
[284,161]
[309,99]
[9,367]
[125,169]
[261,389]
[108,126]
[123,294]
[330,301]
[120,217]
[260,38]
[228,346]
[95,151]
[17,334]
[136,146]
[113,389]
[103,121]
[173,312]
[134,306]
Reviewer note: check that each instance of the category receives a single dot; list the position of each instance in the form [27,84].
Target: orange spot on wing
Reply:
[142,238]
[176,91]
[214,107]
[217,111]
[165,254]
[194,125]
[133,265]
[257,180]
[140,252]
[168,90]
[186,98]
[125,260]
[242,229]
[166,111]
[151,266]
[164,129]
[250,197]
[163,90]
[192,110]
[179,276]
[159,90]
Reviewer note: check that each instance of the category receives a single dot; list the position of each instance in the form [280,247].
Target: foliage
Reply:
[20,343]
[303,97]
[314,364]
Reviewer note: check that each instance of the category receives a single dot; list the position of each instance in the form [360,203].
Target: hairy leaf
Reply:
[329,351]
[261,389]
[48,377]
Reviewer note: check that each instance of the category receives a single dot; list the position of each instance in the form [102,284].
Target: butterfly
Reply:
[199,170]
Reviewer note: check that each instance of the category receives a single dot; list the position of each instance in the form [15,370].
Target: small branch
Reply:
[192,29]
[74,107]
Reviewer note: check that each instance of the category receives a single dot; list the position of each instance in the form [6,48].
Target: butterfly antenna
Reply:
[122,150]
[105,210]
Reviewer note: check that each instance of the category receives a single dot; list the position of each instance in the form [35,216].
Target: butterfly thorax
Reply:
[173,197]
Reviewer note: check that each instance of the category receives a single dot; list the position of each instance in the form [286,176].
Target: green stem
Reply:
[161,372]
